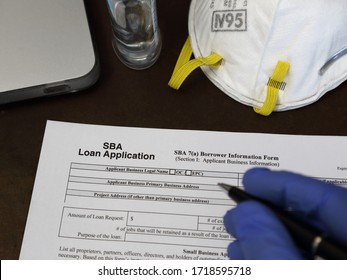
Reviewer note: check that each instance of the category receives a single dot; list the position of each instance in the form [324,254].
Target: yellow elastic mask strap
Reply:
[185,66]
[274,85]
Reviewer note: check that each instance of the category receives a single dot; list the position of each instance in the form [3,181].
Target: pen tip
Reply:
[224,186]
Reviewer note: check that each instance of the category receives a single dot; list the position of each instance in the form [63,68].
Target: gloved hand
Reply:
[258,232]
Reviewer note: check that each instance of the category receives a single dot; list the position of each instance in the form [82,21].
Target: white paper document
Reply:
[108,193]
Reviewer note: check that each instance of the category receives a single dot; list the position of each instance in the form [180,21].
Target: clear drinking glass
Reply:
[135,33]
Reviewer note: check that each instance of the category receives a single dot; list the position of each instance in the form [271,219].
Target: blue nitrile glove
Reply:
[260,235]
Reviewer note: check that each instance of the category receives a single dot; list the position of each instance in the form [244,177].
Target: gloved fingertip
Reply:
[229,221]
[256,171]
[235,251]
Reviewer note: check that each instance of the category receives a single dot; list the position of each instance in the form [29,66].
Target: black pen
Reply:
[306,236]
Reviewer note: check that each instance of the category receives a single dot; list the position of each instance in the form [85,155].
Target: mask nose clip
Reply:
[331,60]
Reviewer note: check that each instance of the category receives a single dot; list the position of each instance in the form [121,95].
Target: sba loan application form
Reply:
[109,193]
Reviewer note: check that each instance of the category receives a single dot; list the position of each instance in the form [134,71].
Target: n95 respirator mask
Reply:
[273,55]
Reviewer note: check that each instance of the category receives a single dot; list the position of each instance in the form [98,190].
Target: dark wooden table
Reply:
[125,97]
